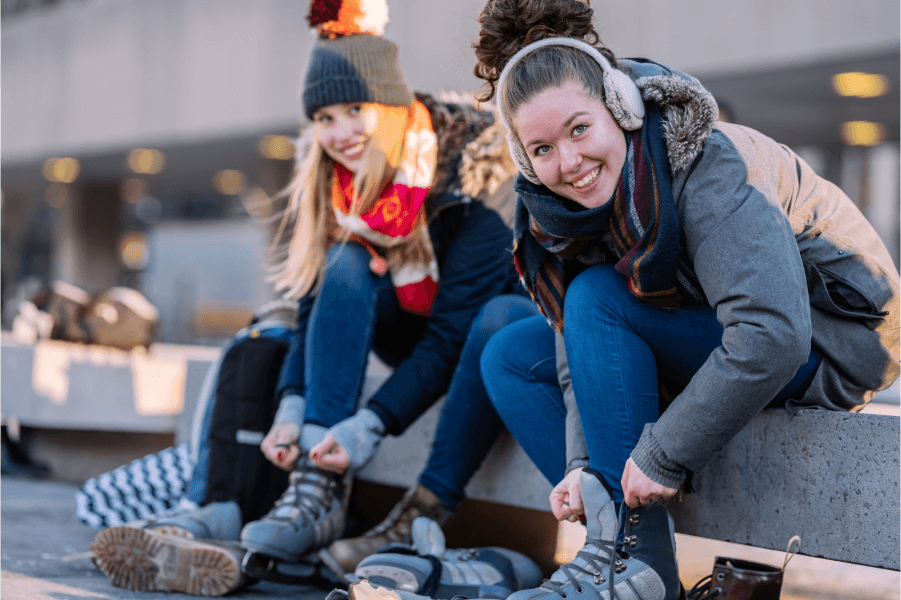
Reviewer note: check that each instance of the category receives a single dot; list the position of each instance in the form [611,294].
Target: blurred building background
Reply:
[139,137]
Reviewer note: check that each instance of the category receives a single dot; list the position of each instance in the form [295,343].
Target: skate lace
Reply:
[702,591]
[308,504]
[597,562]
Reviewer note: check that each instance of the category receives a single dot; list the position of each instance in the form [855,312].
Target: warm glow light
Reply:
[230,182]
[860,85]
[279,147]
[61,170]
[146,161]
[862,133]
[133,189]
[133,251]
[570,539]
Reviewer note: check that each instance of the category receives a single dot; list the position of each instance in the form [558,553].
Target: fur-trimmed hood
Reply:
[689,110]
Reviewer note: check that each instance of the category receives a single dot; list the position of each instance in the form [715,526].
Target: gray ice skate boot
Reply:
[645,568]
[308,516]
[429,569]
[215,521]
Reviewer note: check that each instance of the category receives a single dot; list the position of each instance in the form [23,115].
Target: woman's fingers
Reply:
[640,490]
[328,455]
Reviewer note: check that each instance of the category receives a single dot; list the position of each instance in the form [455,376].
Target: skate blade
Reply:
[145,560]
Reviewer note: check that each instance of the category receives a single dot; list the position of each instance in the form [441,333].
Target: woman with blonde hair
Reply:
[396,246]
[394,241]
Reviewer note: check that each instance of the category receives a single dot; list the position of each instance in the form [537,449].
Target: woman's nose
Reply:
[348,128]
[569,158]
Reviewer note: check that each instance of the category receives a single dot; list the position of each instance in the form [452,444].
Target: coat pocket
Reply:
[839,295]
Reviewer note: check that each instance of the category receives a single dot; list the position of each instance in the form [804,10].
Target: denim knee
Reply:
[599,288]
[499,312]
[347,267]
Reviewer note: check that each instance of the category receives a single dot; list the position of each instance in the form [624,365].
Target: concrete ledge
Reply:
[832,478]
[62,385]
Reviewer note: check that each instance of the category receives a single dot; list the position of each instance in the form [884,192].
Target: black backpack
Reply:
[245,407]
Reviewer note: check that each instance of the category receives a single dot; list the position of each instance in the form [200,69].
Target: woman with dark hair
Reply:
[661,246]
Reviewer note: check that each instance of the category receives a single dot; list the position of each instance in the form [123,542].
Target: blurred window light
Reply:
[61,170]
[230,182]
[133,189]
[56,195]
[146,161]
[133,251]
[862,133]
[860,85]
[279,147]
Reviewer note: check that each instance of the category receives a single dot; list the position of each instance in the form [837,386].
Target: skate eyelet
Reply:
[720,576]
[579,590]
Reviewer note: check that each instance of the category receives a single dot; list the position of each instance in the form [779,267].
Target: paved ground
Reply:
[44,557]
[44,551]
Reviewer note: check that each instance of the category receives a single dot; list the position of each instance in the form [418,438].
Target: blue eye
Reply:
[355,109]
[579,129]
[542,150]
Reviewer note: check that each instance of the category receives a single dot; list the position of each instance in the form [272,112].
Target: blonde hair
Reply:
[298,263]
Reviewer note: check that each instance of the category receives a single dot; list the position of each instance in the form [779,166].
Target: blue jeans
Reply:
[355,312]
[617,345]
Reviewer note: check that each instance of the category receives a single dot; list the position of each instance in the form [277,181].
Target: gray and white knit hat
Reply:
[351,61]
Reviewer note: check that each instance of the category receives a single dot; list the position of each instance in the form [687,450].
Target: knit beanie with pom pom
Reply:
[351,61]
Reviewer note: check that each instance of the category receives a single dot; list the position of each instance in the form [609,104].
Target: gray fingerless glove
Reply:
[291,408]
[359,435]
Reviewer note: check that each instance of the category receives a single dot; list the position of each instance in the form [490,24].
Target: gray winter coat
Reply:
[787,261]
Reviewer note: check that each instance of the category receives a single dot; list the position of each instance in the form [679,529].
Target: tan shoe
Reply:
[147,560]
[343,556]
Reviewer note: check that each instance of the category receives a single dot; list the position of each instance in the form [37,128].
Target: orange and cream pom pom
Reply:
[348,17]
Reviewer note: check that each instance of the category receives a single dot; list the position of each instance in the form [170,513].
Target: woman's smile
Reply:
[575,145]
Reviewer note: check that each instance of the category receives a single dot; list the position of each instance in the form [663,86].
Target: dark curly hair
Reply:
[509,25]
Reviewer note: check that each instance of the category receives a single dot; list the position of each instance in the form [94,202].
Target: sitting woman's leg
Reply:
[616,344]
[331,348]
[339,334]
[519,369]
[467,428]
[469,425]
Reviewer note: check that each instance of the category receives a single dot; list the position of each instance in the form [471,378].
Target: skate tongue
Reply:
[428,539]
[600,512]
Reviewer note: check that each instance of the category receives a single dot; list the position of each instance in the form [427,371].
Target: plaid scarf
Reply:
[641,218]
[398,216]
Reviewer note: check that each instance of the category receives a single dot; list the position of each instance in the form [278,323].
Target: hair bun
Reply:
[507,26]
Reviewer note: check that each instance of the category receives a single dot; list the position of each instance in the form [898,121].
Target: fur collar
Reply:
[689,114]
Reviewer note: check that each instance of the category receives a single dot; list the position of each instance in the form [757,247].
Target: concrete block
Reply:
[832,478]
[62,385]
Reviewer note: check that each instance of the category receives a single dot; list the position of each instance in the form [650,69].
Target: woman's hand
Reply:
[280,445]
[639,489]
[566,498]
[328,455]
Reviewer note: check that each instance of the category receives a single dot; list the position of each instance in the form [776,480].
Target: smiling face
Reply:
[343,133]
[576,146]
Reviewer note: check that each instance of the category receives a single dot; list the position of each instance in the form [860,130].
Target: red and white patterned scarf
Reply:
[399,212]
